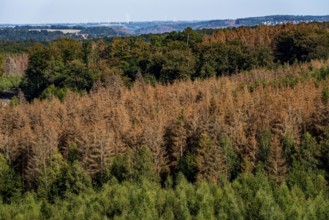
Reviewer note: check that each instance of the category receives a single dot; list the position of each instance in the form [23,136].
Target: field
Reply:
[64,31]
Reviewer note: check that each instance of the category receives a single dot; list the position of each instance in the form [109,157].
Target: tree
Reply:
[299,45]
[230,158]
[179,63]
[191,37]
[229,204]
[144,166]
[49,174]
[72,179]
[35,80]
[76,77]
[175,143]
[289,203]
[59,64]
[10,185]
[309,151]
[310,181]
[325,150]
[208,159]
[276,164]
[69,49]
[289,150]
[264,142]
[264,206]
[122,166]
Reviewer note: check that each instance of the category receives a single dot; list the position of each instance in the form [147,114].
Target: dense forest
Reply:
[232,124]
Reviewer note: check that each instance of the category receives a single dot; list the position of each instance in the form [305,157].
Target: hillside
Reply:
[223,124]
[49,32]
[126,146]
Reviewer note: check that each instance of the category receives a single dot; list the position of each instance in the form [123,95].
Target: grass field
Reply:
[65,31]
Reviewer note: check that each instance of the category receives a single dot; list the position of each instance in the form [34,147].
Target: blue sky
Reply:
[59,11]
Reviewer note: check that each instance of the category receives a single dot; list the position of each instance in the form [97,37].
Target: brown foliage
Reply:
[260,35]
[167,119]
[15,65]
[277,165]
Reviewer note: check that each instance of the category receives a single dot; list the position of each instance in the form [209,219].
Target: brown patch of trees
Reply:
[182,124]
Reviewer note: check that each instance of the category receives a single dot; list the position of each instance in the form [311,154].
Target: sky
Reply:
[83,11]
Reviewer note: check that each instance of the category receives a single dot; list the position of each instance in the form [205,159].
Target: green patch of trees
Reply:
[130,188]
[77,65]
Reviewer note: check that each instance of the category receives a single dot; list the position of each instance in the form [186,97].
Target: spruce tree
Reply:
[209,160]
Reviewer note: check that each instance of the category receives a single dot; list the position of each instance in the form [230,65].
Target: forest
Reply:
[225,124]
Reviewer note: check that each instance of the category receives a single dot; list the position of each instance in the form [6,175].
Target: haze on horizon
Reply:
[75,11]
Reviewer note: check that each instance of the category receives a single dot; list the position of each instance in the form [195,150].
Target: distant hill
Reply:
[49,32]
[216,24]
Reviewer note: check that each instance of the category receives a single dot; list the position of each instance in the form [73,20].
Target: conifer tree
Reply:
[229,157]
[122,166]
[143,165]
[309,151]
[175,142]
[276,164]
[49,174]
[208,159]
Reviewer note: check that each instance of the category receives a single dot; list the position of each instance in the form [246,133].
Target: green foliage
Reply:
[187,166]
[229,204]
[208,159]
[122,166]
[53,91]
[230,158]
[10,184]
[50,172]
[134,166]
[289,203]
[310,182]
[15,101]
[309,151]
[264,140]
[143,166]
[73,154]
[2,61]
[76,76]
[58,65]
[300,45]
[265,207]
[325,151]
[321,74]
[289,149]
[325,95]
[77,65]
[318,208]
[72,179]
[178,63]
[218,59]
[9,82]
[249,197]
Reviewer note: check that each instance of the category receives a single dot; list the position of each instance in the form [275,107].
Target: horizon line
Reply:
[175,21]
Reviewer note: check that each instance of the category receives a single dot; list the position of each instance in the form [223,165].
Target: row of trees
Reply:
[76,65]
[14,34]
[133,192]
